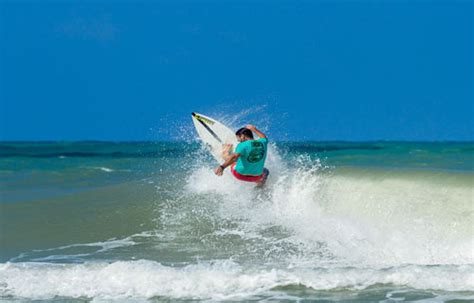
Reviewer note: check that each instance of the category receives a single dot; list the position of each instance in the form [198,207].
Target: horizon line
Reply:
[197,141]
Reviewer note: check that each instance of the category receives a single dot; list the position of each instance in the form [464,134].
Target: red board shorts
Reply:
[246,178]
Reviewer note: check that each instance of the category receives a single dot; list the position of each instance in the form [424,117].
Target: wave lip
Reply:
[218,280]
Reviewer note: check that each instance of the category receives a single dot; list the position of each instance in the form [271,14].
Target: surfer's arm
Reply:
[232,158]
[256,131]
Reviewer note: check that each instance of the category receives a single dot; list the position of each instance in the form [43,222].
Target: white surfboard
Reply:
[213,134]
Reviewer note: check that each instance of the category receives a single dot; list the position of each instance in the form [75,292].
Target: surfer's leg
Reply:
[265,174]
[226,151]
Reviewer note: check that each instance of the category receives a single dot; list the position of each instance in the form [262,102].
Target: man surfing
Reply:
[248,160]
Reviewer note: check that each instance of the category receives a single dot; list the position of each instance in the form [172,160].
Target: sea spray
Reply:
[336,221]
[372,220]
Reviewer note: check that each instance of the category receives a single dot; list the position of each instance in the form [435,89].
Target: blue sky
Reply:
[304,70]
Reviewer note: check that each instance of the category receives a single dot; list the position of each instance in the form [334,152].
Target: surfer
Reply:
[248,160]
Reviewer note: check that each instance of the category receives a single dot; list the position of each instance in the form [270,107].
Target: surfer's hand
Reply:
[227,148]
[218,171]
[254,129]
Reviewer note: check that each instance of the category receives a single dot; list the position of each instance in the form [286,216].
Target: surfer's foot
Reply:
[226,151]
[262,182]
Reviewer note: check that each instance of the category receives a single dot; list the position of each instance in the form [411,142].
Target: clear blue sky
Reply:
[316,70]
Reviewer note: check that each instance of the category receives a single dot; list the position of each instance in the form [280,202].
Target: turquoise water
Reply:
[138,221]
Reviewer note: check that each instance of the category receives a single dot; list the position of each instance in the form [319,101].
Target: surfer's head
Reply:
[244,134]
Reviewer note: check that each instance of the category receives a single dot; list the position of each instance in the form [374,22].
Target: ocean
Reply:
[149,221]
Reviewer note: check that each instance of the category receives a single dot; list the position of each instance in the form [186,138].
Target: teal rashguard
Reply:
[252,157]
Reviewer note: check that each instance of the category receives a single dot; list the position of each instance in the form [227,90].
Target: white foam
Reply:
[105,169]
[220,280]
[371,220]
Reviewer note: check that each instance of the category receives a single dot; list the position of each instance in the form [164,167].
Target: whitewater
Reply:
[140,222]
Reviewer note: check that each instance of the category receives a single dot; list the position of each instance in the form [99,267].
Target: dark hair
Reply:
[244,131]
